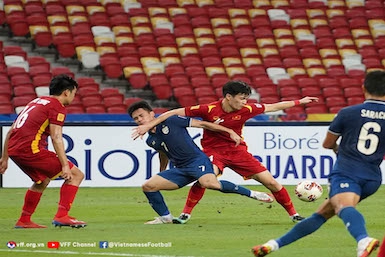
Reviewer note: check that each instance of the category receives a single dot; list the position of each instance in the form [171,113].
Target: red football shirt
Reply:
[214,112]
[31,128]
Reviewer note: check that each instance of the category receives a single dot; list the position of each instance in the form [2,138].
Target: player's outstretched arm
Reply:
[218,128]
[142,129]
[4,156]
[287,104]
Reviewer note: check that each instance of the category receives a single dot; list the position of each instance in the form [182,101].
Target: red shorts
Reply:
[240,160]
[40,166]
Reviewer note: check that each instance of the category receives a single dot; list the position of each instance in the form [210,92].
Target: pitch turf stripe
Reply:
[89,253]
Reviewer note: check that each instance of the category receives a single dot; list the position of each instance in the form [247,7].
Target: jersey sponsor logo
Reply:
[165,130]
[344,185]
[236,117]
[60,117]
[218,120]
[258,105]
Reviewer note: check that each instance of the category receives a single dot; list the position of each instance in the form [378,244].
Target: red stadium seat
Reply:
[96,109]
[75,109]
[118,109]
[316,109]
[6,108]
[130,100]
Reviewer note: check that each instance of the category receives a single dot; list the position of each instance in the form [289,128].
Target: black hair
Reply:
[137,105]
[236,87]
[60,83]
[374,83]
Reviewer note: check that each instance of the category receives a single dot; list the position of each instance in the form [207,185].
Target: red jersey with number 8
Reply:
[31,128]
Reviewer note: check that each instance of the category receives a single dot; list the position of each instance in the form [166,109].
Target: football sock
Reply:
[31,200]
[229,187]
[194,196]
[157,203]
[67,196]
[301,229]
[354,222]
[283,198]
[381,251]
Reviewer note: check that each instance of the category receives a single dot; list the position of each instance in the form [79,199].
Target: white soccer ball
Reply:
[308,191]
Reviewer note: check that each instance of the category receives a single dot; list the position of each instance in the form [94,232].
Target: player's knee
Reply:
[148,187]
[211,184]
[78,174]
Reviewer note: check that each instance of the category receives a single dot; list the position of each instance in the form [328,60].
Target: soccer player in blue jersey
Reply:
[356,173]
[171,139]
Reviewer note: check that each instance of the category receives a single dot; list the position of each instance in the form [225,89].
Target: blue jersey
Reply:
[172,138]
[362,146]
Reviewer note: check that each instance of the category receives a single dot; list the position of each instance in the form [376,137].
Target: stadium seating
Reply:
[322,44]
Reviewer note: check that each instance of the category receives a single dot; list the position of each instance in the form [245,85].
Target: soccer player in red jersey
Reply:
[26,144]
[232,112]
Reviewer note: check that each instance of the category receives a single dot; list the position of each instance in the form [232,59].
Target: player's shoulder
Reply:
[252,106]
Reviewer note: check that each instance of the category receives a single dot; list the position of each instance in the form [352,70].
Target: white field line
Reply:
[88,253]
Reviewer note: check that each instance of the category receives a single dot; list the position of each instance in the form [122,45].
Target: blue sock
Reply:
[228,187]
[354,222]
[302,229]
[157,203]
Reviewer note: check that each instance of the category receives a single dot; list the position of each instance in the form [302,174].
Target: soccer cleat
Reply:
[158,220]
[30,224]
[68,221]
[297,218]
[182,219]
[366,246]
[263,197]
[261,250]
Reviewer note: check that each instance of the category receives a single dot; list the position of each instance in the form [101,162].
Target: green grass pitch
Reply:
[222,225]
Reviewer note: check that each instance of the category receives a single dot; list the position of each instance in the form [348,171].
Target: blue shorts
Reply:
[185,175]
[362,187]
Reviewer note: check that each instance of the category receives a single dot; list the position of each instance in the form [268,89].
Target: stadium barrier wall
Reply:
[105,152]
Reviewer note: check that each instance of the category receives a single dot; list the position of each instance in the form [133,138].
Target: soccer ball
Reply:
[308,191]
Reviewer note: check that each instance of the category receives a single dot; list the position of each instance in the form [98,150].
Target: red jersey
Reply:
[31,128]
[214,112]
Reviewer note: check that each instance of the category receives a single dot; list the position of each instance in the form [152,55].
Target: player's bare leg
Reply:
[279,192]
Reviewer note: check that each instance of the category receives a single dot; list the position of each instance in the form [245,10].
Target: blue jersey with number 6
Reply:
[172,138]
[362,146]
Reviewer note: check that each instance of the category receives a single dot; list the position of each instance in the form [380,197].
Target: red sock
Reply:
[283,198]
[31,200]
[67,196]
[194,196]
[381,252]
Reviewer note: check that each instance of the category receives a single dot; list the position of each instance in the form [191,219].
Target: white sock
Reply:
[274,245]
[167,217]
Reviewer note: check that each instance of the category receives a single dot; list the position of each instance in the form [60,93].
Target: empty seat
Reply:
[335,101]
[74,109]
[353,92]
[332,91]
[6,108]
[22,100]
[118,109]
[316,109]
[96,109]
[130,100]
